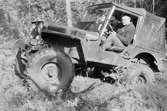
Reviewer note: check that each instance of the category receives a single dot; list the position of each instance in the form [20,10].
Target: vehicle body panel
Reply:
[149,37]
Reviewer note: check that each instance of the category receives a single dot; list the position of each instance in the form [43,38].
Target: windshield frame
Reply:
[92,14]
[107,19]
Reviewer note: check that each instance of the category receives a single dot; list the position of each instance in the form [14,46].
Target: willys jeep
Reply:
[69,51]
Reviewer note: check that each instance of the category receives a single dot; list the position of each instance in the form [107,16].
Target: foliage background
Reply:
[15,22]
[16,15]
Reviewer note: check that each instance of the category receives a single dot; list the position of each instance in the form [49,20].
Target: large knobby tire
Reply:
[139,74]
[51,70]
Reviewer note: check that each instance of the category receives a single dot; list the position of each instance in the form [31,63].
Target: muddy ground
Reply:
[85,94]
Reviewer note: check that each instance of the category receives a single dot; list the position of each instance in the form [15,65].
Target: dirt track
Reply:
[85,94]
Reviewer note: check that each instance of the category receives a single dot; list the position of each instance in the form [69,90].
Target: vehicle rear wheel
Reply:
[51,70]
[140,74]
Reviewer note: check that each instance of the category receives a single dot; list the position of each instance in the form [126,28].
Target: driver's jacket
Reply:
[126,34]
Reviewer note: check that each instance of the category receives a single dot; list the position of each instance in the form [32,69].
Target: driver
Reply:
[118,41]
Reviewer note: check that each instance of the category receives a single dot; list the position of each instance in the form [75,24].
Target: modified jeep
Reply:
[78,50]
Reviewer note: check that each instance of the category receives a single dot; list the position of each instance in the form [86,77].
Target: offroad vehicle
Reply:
[68,51]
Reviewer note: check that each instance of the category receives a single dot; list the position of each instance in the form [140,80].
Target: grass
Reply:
[100,97]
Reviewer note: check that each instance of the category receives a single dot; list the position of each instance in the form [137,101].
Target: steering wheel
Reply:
[109,29]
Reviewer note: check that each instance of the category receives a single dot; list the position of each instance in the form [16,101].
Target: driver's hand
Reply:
[103,38]
[113,33]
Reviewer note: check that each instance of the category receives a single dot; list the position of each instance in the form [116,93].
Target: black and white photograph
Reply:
[83,55]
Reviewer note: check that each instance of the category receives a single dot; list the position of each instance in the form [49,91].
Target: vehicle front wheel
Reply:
[51,70]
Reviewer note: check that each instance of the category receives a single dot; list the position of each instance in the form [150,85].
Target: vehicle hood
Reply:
[71,32]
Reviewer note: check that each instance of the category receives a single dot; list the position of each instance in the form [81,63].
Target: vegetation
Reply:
[16,15]
[15,22]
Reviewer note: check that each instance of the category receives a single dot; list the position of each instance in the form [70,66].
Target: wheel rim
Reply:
[50,73]
[139,80]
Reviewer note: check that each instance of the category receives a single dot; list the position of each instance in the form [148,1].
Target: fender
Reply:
[62,39]
[61,36]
